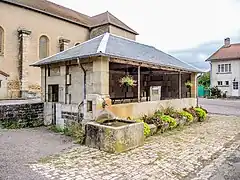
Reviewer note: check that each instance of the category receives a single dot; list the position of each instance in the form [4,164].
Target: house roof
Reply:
[108,18]
[226,53]
[4,74]
[118,47]
[58,11]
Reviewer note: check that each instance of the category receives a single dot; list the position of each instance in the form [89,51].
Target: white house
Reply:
[225,68]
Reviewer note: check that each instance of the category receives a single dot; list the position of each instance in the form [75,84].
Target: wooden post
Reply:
[180,85]
[139,81]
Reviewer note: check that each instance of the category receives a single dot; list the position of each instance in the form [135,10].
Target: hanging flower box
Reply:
[127,81]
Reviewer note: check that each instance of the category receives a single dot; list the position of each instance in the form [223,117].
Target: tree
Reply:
[204,79]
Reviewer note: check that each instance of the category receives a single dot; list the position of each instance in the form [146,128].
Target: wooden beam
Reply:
[139,83]
[144,64]
[180,85]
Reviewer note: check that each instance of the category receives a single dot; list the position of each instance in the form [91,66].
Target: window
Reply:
[77,44]
[0,83]
[53,93]
[43,47]
[224,68]
[1,41]
[235,85]
[89,106]
[227,83]
[219,83]
[61,47]
[219,68]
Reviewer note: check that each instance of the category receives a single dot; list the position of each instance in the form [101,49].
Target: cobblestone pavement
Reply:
[194,152]
[221,106]
[20,147]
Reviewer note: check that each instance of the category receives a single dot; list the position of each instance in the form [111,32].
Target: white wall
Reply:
[235,74]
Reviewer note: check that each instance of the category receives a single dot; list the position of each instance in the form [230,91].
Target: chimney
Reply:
[227,42]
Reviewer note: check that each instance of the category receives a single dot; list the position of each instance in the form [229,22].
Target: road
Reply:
[221,106]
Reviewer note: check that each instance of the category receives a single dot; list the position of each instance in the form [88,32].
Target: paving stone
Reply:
[193,152]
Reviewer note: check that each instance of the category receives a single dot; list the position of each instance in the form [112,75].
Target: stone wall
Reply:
[21,115]
[137,110]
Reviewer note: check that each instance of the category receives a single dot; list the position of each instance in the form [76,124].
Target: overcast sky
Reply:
[190,30]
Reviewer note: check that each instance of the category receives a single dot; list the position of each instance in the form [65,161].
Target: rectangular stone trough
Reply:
[115,136]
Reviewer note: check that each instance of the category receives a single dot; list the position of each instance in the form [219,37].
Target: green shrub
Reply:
[75,130]
[147,130]
[172,122]
[168,111]
[215,91]
[187,115]
[201,113]
[158,113]
[56,129]
[191,111]
[72,129]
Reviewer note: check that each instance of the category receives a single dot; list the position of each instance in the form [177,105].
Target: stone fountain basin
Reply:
[115,136]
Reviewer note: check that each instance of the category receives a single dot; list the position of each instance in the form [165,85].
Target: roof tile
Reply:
[230,52]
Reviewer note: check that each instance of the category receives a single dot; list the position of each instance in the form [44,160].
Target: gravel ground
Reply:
[18,148]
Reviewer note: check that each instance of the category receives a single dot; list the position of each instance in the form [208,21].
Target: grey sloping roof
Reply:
[82,50]
[114,46]
[108,18]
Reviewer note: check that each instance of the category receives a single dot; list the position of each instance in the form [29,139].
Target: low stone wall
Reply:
[59,114]
[14,115]
[136,110]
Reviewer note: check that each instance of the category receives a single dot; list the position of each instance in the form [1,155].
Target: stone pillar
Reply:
[180,85]
[43,84]
[194,85]
[101,76]
[24,46]
[62,84]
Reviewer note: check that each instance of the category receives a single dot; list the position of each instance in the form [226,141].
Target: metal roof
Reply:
[114,46]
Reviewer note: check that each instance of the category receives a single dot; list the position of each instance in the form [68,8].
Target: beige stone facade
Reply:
[3,85]
[23,28]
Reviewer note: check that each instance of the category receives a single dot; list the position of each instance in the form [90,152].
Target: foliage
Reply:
[18,124]
[75,130]
[56,129]
[168,111]
[72,129]
[191,111]
[187,115]
[188,84]
[127,81]
[204,79]
[200,113]
[172,122]
[147,130]
[215,92]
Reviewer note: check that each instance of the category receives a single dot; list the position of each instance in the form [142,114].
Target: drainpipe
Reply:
[84,87]
[84,78]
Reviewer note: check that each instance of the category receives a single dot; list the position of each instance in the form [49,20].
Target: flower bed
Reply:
[167,119]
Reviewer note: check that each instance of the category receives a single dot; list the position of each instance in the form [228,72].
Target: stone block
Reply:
[122,136]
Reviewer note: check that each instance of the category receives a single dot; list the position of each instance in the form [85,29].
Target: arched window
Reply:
[43,47]
[1,41]
[77,43]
